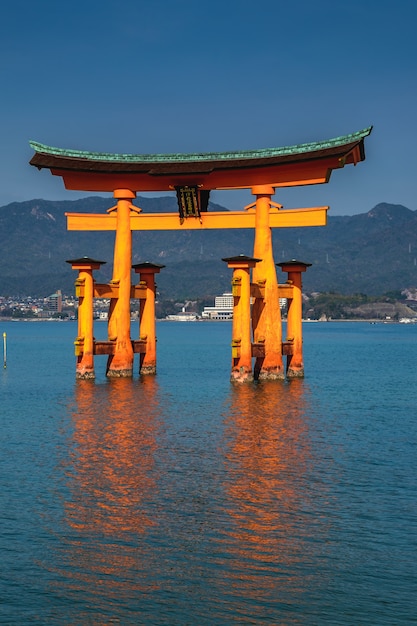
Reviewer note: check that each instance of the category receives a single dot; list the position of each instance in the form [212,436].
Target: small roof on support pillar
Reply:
[147,266]
[241,261]
[85,262]
[287,266]
[302,164]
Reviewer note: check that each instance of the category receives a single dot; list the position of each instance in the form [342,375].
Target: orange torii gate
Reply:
[257,330]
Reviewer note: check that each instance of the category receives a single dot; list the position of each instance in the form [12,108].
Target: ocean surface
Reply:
[183,499]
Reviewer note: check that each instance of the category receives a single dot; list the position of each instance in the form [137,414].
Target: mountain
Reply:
[372,253]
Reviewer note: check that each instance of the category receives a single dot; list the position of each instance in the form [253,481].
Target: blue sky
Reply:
[212,75]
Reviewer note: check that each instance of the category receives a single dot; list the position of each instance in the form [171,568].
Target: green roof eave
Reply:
[202,156]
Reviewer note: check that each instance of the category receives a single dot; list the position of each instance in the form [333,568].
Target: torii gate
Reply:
[193,176]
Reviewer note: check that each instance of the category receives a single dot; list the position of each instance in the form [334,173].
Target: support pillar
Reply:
[295,365]
[147,323]
[120,364]
[266,314]
[241,327]
[84,344]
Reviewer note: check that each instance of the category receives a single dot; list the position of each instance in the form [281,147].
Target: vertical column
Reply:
[241,328]
[147,324]
[84,344]
[295,365]
[266,314]
[120,363]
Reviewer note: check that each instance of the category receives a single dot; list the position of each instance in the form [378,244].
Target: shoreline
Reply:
[306,321]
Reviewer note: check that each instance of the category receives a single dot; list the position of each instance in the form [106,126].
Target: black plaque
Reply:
[188,202]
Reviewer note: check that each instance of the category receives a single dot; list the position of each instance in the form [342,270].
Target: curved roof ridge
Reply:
[203,156]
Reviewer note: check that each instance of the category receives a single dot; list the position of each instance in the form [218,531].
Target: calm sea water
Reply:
[182,499]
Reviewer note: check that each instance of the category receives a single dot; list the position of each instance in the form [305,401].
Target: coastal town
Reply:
[393,307]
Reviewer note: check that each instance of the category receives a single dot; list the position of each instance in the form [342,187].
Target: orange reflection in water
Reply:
[268,458]
[111,480]
[113,460]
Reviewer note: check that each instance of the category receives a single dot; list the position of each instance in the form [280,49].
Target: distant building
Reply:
[55,302]
[222,309]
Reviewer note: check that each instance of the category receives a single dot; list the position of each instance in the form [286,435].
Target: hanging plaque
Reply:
[187,202]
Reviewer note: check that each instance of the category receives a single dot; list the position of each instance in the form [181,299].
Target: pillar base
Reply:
[271,374]
[241,375]
[85,375]
[147,370]
[295,373]
[126,373]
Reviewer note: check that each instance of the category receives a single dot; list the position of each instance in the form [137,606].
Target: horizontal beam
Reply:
[282,218]
[278,175]
[104,290]
[109,347]
[285,291]
[258,349]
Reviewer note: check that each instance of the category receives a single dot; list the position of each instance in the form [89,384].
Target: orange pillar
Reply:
[147,324]
[241,328]
[84,344]
[266,314]
[295,365]
[120,364]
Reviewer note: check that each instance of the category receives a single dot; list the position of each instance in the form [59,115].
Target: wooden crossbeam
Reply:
[283,218]
[109,347]
[258,349]
[284,291]
[108,290]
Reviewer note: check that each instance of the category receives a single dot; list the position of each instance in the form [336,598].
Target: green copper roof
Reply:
[202,156]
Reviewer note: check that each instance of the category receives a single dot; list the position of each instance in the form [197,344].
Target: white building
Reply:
[222,309]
